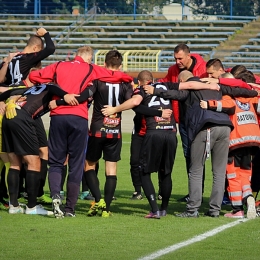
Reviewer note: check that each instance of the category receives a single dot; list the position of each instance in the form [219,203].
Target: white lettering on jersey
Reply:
[15,72]
[35,90]
[155,102]
[113,93]
[112,131]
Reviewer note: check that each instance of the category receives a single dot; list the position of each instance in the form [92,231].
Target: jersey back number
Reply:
[15,73]
[155,101]
[113,94]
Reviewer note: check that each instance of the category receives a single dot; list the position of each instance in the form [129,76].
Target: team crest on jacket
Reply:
[243,106]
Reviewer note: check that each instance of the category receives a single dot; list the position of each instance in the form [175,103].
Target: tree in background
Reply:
[112,7]
[246,7]
[222,7]
[208,7]
[148,6]
[103,6]
[16,7]
[3,7]
[61,7]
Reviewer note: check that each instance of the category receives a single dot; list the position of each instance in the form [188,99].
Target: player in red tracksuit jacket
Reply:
[197,65]
[184,61]
[69,124]
[215,68]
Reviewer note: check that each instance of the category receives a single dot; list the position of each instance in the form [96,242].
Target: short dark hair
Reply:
[247,76]
[182,47]
[238,69]
[145,76]
[35,40]
[215,63]
[114,59]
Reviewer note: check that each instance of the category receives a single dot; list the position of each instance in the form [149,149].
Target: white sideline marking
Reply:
[195,239]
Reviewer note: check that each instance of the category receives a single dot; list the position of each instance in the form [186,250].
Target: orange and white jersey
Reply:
[246,128]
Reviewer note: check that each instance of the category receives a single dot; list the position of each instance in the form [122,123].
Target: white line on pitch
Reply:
[195,239]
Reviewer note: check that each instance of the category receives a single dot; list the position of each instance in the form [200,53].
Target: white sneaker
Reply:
[56,206]
[38,210]
[15,210]
[251,210]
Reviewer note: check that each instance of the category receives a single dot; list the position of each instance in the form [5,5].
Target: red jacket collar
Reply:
[78,58]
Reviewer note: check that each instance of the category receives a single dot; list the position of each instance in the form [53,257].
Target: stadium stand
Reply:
[173,23]
[143,35]
[248,51]
[158,28]
[244,54]
[201,36]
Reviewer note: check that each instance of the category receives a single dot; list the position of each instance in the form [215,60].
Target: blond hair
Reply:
[227,75]
[85,50]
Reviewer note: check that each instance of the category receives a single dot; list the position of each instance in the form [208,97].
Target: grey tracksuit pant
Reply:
[219,147]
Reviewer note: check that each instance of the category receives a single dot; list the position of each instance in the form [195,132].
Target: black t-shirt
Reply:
[156,122]
[194,61]
[21,64]
[34,100]
[112,94]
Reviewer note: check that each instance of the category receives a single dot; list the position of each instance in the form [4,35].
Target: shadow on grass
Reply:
[125,206]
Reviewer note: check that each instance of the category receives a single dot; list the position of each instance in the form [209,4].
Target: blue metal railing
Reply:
[36,8]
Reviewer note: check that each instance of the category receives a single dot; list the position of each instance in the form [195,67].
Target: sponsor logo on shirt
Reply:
[161,120]
[247,117]
[166,127]
[111,122]
[243,106]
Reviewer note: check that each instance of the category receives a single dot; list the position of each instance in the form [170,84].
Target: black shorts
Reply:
[41,133]
[242,157]
[20,135]
[158,151]
[111,148]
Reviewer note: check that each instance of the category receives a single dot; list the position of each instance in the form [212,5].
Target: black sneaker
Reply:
[187,214]
[137,196]
[212,215]
[184,199]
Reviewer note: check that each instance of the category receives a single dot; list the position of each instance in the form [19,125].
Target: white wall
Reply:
[174,12]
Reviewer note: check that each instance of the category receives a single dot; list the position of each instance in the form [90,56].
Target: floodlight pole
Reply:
[134,9]
[182,9]
[231,9]
[86,6]
[40,6]
[37,8]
